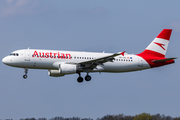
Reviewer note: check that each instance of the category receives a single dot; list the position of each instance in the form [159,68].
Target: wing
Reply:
[91,64]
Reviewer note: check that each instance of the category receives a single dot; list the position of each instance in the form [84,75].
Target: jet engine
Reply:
[63,69]
[55,73]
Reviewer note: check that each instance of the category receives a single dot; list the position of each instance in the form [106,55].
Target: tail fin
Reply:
[159,45]
[155,53]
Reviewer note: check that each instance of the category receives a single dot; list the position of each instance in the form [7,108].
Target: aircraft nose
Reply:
[5,60]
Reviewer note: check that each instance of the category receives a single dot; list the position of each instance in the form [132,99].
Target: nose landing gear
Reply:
[26,71]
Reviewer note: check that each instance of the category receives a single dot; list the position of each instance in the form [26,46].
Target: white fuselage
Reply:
[50,59]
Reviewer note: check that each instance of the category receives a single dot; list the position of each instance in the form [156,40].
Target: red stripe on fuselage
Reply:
[151,56]
[151,53]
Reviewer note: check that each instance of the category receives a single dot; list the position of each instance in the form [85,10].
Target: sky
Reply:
[93,26]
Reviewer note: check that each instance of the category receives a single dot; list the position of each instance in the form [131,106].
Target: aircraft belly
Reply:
[119,68]
[125,66]
[36,64]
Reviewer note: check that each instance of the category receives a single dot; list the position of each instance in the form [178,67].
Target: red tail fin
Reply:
[157,49]
[158,46]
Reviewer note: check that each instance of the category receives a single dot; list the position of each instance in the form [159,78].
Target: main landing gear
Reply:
[80,79]
[26,71]
[88,77]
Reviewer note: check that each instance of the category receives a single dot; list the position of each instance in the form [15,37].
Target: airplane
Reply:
[61,63]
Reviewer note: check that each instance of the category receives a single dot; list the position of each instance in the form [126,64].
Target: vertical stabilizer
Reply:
[155,53]
[159,45]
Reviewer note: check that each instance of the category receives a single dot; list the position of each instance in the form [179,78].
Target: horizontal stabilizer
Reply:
[163,60]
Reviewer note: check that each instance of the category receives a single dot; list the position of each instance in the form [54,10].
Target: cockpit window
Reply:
[14,54]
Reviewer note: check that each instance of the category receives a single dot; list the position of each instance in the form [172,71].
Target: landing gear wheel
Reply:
[80,79]
[26,71]
[24,76]
[88,78]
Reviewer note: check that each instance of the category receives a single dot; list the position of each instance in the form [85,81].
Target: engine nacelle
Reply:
[63,69]
[67,68]
[55,73]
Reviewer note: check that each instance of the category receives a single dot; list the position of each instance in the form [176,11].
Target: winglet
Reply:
[122,53]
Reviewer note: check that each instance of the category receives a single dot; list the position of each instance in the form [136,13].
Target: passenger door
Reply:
[27,55]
